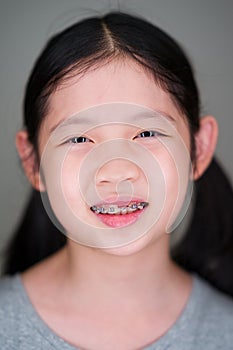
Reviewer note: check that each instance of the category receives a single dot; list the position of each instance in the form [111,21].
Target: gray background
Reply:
[203,27]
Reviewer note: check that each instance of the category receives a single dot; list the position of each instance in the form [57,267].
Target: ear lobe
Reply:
[29,160]
[205,140]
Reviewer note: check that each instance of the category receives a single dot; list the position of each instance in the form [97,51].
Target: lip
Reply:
[121,202]
[115,221]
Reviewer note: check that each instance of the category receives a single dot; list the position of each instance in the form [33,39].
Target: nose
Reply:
[117,170]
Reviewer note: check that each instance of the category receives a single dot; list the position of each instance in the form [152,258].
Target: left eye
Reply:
[80,139]
[148,133]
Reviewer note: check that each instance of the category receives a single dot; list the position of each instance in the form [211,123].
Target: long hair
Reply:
[207,246]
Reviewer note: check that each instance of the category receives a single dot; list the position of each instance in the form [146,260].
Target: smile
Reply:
[114,209]
[119,215]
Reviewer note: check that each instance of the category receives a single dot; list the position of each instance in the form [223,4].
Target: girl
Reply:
[113,142]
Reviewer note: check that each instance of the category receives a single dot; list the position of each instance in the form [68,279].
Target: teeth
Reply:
[103,210]
[132,208]
[113,209]
[95,209]
[142,205]
[124,210]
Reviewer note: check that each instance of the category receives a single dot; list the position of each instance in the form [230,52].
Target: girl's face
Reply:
[114,157]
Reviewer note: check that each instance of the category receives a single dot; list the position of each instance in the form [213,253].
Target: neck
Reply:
[141,276]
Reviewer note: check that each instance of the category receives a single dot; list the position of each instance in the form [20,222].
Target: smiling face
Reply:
[114,141]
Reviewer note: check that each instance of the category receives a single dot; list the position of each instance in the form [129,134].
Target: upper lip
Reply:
[120,201]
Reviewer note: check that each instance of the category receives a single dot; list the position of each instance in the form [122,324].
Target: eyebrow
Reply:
[85,120]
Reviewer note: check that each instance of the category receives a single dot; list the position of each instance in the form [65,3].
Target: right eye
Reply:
[79,139]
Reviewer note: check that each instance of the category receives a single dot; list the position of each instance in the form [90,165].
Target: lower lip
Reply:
[120,220]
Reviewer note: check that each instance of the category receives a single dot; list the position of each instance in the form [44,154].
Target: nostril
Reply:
[116,179]
[104,181]
[117,171]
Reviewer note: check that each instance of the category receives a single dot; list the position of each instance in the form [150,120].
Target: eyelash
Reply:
[149,133]
[80,138]
[144,134]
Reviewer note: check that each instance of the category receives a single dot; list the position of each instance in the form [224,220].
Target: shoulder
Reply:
[8,292]
[212,299]
[9,311]
[18,327]
[206,321]
[21,328]
[214,313]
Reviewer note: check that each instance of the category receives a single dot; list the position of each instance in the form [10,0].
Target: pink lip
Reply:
[121,202]
[120,220]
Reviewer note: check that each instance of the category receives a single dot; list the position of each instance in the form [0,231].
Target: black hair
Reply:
[36,237]
[95,41]
[207,246]
[87,45]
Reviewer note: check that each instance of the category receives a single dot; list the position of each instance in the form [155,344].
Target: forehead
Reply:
[118,81]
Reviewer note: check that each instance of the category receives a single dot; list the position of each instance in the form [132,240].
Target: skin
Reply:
[117,298]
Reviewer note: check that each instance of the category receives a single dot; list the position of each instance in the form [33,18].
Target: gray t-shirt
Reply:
[206,322]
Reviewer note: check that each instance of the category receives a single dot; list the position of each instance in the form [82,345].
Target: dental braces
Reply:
[113,209]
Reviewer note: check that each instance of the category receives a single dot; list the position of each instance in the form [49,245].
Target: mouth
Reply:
[119,214]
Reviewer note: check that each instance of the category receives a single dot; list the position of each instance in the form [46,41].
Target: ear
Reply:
[206,140]
[29,160]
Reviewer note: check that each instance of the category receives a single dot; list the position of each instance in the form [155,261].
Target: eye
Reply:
[149,133]
[79,139]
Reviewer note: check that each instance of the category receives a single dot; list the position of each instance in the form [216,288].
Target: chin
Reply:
[147,241]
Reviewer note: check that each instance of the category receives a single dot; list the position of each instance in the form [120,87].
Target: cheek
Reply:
[174,161]
[170,174]
[70,177]
[60,169]
[70,183]
[69,174]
